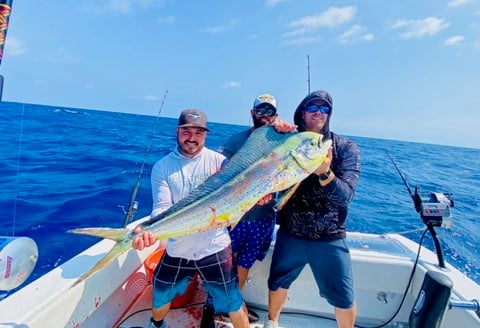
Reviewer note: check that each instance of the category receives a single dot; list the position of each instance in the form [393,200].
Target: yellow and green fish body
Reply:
[267,163]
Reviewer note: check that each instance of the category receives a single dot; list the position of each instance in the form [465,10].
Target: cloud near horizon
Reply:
[232,84]
[120,6]
[303,29]
[356,33]
[14,47]
[454,40]
[457,3]
[223,28]
[420,28]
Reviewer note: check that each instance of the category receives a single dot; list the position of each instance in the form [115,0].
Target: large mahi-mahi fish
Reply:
[268,162]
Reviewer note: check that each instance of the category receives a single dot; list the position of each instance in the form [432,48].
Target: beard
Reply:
[259,122]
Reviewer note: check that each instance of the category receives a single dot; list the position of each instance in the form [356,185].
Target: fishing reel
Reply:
[434,208]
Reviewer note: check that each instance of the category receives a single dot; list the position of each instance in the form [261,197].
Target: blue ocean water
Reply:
[66,168]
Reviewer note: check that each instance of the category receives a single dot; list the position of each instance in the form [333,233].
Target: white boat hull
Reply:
[382,266]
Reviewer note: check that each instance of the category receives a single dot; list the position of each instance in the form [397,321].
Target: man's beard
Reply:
[257,123]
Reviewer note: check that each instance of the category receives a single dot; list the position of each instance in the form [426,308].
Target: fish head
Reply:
[308,150]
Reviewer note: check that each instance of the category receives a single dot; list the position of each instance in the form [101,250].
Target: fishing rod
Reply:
[5,10]
[434,209]
[133,204]
[308,73]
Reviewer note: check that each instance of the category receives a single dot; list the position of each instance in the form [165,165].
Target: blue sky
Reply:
[397,69]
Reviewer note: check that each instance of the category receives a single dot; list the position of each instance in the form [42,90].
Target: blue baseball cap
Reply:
[265,98]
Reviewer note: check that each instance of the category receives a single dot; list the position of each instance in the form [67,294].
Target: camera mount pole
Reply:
[438,246]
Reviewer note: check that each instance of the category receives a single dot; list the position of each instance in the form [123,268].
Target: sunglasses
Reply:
[313,108]
[265,111]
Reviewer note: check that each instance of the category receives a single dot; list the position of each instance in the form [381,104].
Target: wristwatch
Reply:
[325,176]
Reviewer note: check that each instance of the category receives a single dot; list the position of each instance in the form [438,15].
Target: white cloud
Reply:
[220,29]
[273,3]
[416,29]
[332,17]
[231,84]
[166,19]
[304,29]
[301,40]
[355,34]
[454,40]
[14,47]
[458,3]
[151,98]
[120,6]
[40,83]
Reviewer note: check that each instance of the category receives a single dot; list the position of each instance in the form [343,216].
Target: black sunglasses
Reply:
[265,111]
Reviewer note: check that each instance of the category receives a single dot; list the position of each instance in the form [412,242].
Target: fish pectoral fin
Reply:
[286,196]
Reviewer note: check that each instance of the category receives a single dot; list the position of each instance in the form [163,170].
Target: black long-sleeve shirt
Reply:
[319,213]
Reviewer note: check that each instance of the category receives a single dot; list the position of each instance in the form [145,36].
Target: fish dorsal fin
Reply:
[261,142]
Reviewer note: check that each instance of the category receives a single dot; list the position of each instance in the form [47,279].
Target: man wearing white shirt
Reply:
[208,253]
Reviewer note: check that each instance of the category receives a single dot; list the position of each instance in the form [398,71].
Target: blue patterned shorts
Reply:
[251,240]
[219,275]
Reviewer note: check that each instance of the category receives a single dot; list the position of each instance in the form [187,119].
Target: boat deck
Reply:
[190,315]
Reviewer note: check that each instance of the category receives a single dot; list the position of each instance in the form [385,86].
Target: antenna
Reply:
[308,72]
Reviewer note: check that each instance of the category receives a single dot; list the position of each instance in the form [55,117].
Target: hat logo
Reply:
[265,98]
[194,116]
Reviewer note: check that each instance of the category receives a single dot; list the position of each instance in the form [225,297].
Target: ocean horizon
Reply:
[67,168]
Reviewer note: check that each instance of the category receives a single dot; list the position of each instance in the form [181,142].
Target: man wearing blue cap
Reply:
[252,236]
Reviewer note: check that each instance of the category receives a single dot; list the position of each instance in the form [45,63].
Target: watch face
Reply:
[324,176]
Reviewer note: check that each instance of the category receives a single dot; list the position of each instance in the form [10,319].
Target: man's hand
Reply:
[326,164]
[142,240]
[283,126]
[266,199]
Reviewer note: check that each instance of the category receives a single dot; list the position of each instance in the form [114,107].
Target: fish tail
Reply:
[118,249]
[122,245]
[109,233]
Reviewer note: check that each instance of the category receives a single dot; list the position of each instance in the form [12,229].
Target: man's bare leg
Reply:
[242,276]
[276,300]
[160,313]
[239,318]
[346,317]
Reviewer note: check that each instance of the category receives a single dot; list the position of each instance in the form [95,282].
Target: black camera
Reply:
[434,208]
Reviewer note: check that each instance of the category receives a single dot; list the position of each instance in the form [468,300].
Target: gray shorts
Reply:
[329,260]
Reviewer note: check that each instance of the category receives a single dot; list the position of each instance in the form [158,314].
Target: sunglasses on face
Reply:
[265,111]
[313,108]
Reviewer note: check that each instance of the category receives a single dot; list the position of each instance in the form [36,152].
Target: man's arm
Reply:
[340,188]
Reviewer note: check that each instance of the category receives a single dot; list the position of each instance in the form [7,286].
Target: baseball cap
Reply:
[265,99]
[192,118]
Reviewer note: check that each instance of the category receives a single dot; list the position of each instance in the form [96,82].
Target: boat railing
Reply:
[466,305]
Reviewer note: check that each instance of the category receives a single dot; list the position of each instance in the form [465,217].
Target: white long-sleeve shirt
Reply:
[174,177]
